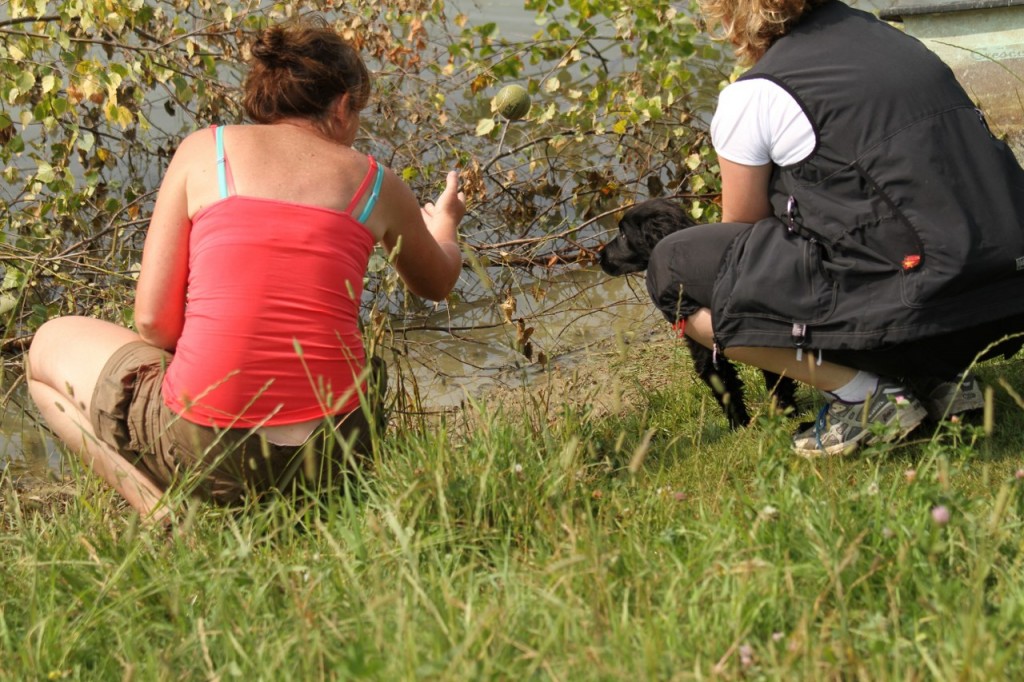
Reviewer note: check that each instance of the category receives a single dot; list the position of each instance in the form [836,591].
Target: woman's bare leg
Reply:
[64,363]
[827,376]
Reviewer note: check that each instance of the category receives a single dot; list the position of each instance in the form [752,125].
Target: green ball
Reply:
[512,102]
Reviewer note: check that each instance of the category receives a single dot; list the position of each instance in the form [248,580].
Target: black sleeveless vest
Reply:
[905,222]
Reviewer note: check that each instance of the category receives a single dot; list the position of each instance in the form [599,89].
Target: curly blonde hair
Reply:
[753,25]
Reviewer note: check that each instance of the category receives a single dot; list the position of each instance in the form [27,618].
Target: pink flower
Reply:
[910,475]
[1019,474]
[746,656]
[940,514]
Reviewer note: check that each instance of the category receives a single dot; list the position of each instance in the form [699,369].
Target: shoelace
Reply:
[819,425]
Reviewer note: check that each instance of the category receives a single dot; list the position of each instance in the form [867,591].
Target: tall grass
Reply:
[534,537]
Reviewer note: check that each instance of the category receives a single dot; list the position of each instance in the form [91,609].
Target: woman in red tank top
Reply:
[246,372]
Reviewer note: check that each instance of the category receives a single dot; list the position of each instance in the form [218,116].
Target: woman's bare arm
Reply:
[744,192]
[424,240]
[160,293]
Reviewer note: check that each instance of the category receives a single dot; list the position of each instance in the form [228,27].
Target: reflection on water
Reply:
[26,449]
[567,314]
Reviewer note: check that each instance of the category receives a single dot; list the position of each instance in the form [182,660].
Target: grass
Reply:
[535,537]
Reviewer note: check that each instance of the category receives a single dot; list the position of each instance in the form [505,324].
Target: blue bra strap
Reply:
[374,193]
[222,176]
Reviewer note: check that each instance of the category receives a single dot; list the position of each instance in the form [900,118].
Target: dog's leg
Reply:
[782,390]
[725,383]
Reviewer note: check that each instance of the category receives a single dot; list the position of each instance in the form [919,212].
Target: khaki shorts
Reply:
[220,465]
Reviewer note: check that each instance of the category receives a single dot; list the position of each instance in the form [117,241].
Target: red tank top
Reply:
[271,322]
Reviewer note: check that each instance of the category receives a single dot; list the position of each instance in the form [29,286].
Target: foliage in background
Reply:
[94,97]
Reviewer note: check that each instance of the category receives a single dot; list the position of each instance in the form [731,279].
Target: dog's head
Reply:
[642,226]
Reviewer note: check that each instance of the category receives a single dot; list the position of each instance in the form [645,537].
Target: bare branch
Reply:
[49,18]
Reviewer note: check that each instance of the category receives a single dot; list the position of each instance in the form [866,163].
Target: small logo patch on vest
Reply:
[1020,263]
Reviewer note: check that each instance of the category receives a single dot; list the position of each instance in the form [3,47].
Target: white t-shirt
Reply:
[757,122]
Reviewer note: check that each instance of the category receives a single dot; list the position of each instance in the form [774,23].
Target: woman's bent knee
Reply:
[52,335]
[39,348]
[67,353]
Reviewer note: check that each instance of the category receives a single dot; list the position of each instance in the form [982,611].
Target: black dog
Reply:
[644,225]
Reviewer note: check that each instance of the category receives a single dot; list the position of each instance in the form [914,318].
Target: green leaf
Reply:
[484,126]
[548,114]
[7,303]
[13,279]
[86,141]
[377,262]
[26,80]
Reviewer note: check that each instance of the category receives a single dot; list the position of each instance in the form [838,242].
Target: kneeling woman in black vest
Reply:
[872,242]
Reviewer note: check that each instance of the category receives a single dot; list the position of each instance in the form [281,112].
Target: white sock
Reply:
[857,389]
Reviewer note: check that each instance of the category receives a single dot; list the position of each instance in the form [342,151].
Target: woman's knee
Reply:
[66,350]
[56,332]
[43,344]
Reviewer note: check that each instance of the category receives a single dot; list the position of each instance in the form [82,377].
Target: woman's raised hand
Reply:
[442,217]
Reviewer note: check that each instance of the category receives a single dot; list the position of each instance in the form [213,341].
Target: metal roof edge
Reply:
[900,10]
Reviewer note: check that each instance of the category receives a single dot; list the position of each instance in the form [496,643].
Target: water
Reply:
[570,315]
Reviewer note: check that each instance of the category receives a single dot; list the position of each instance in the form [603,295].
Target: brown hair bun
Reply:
[299,69]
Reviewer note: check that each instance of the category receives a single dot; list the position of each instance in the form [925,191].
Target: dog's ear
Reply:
[661,217]
[641,227]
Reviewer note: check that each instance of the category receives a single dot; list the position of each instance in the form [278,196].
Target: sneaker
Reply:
[843,427]
[943,399]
